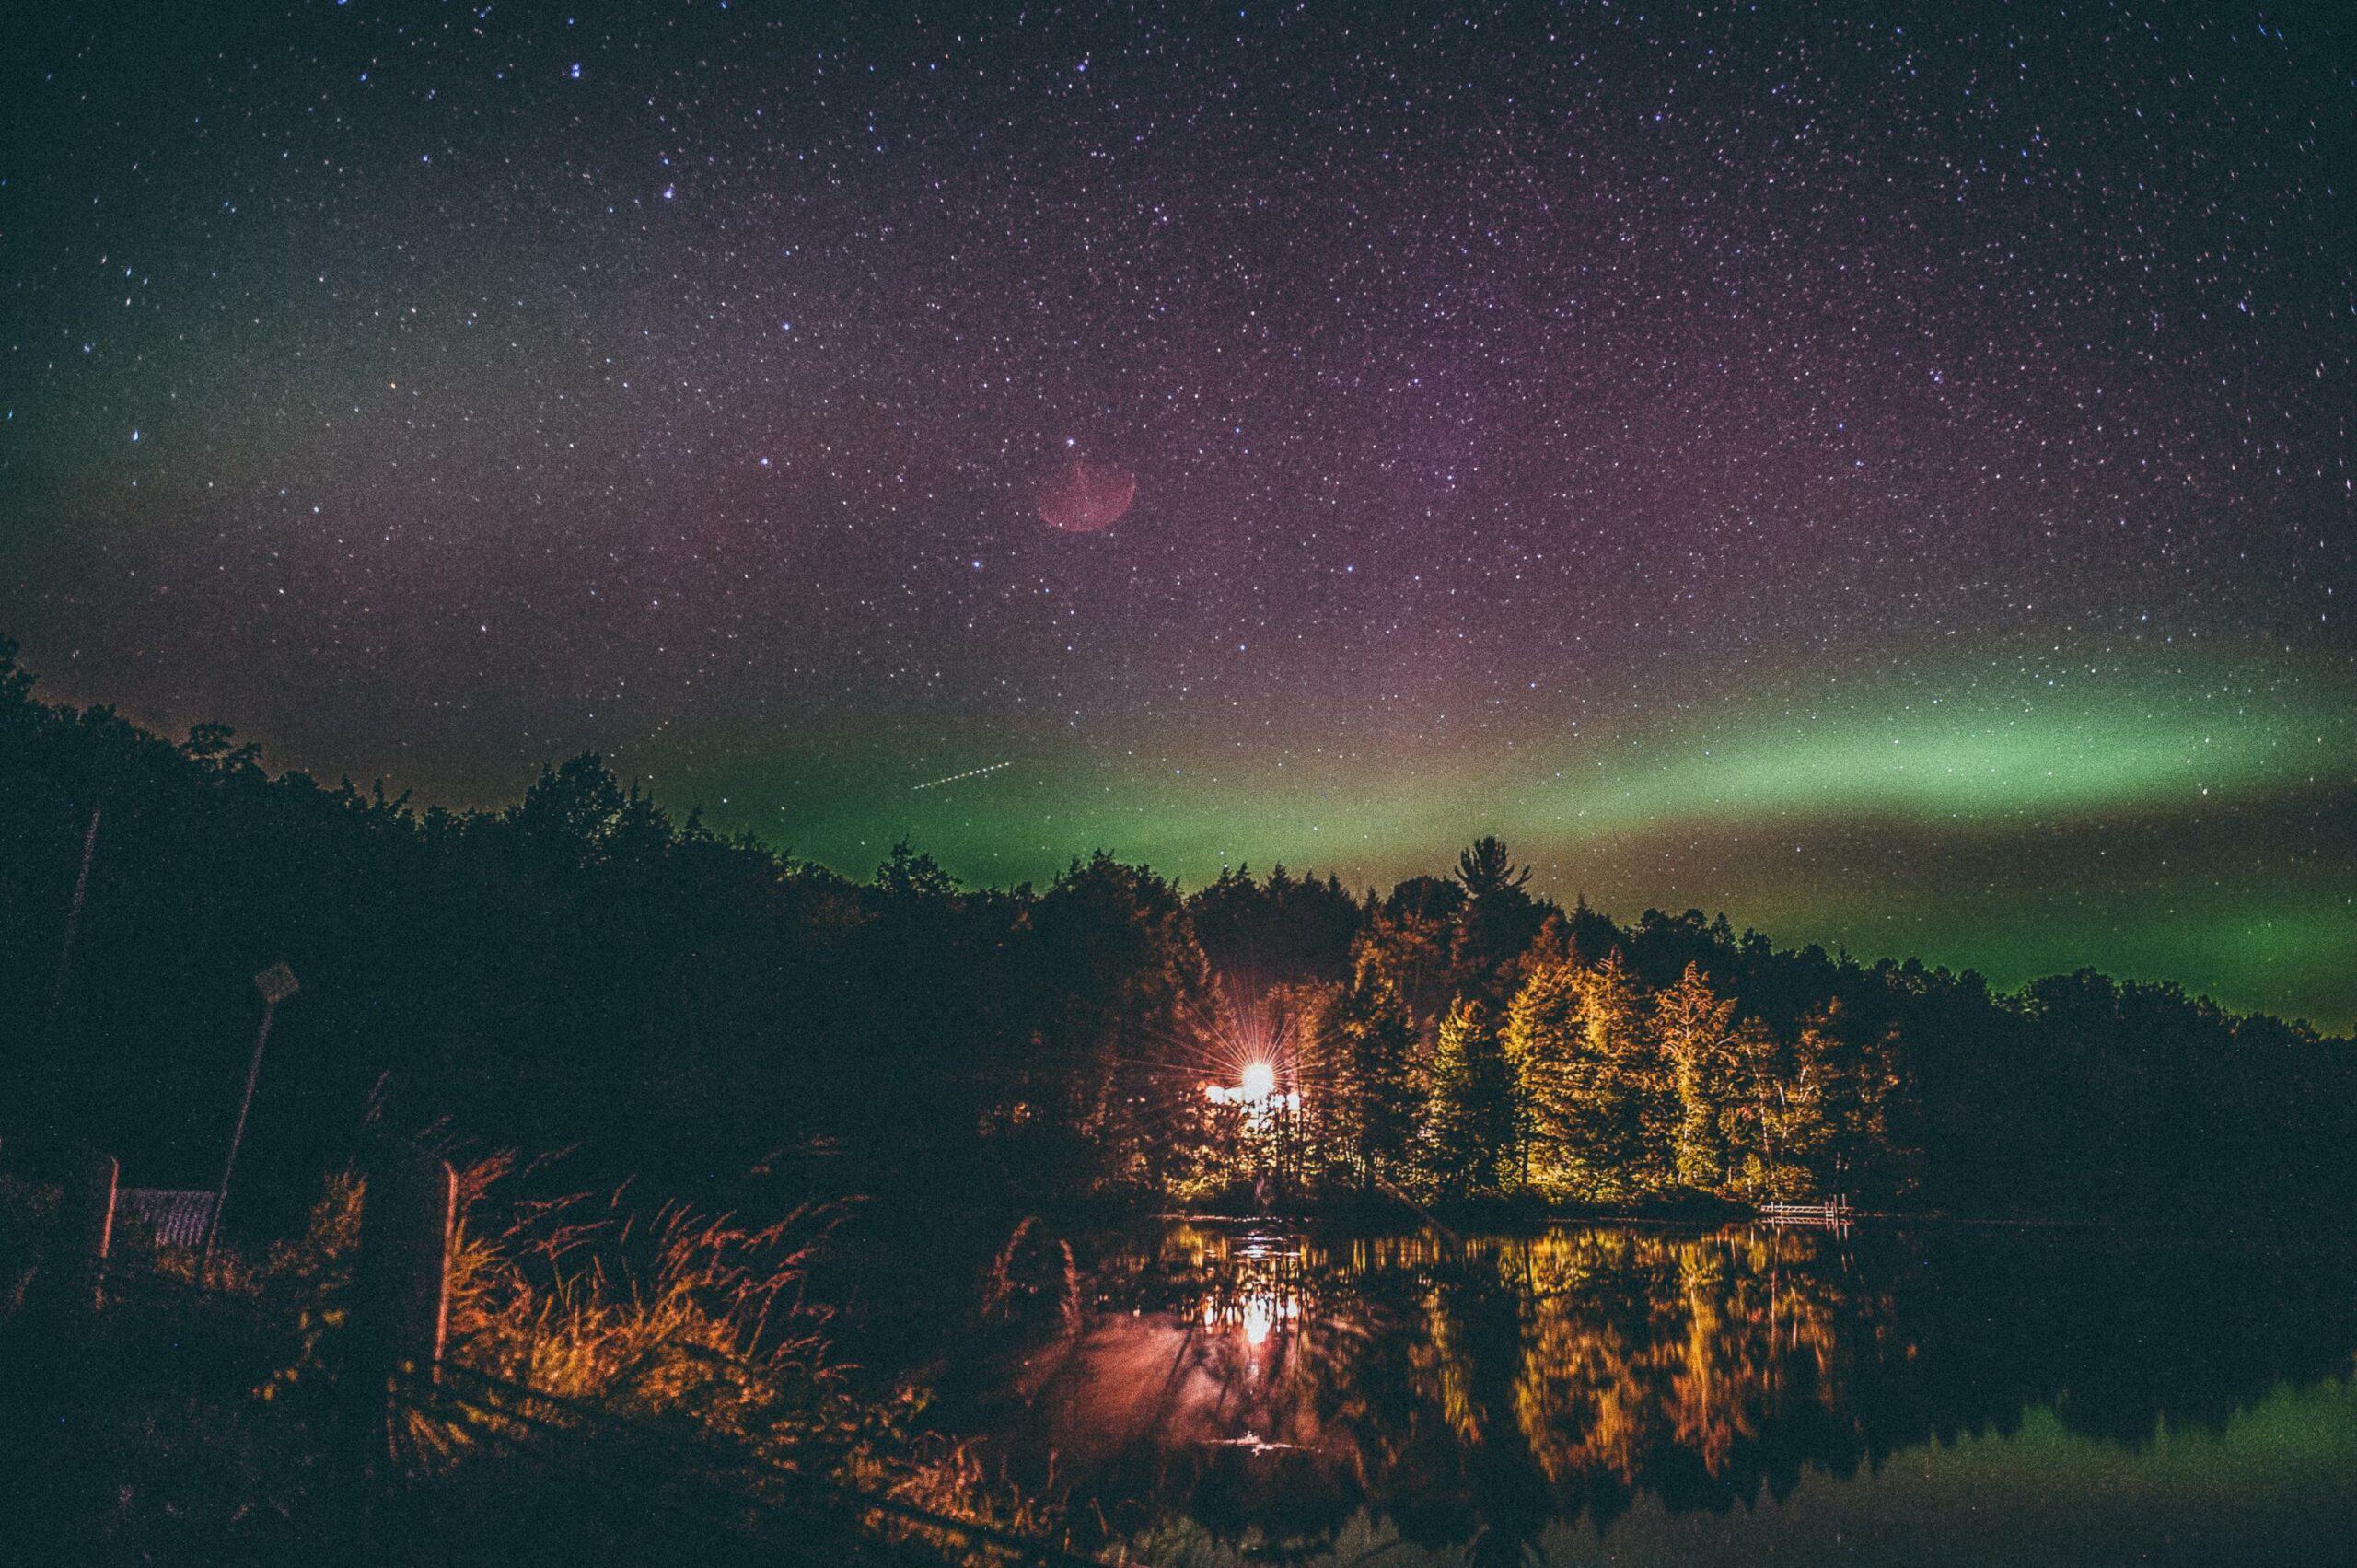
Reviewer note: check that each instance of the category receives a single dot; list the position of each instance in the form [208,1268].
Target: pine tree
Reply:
[1849,1135]
[1493,925]
[1310,1013]
[1472,1102]
[1546,1044]
[1129,972]
[1812,1104]
[1630,1110]
[1360,1044]
[1892,1160]
[1485,869]
[1694,1032]
[1415,955]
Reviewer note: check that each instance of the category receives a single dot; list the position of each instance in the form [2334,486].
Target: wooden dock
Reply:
[1835,1211]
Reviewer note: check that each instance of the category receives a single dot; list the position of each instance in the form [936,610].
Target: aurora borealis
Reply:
[1887,477]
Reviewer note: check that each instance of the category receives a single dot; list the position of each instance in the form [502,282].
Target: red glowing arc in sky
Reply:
[1081,497]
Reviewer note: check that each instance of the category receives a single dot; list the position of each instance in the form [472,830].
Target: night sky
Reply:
[1888,478]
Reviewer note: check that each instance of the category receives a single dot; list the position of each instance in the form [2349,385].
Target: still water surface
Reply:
[1625,1394]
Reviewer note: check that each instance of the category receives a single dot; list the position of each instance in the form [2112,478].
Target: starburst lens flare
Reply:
[1260,1081]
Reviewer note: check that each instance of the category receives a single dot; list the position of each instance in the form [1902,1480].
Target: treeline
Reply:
[581,969]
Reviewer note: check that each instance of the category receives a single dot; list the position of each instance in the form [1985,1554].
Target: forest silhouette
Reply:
[583,970]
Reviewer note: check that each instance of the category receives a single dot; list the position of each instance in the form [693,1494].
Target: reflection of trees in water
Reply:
[1532,1375]
[1529,1377]
[1670,1363]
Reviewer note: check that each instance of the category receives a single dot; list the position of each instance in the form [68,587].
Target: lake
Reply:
[1607,1393]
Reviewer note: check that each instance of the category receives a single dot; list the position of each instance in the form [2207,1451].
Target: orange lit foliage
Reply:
[1638,1346]
[1606,1355]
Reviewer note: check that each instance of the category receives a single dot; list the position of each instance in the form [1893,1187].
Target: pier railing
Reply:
[1832,1211]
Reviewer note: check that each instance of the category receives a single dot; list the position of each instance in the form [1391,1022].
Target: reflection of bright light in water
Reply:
[1260,1081]
[1258,1320]
[1255,1286]
[1259,1313]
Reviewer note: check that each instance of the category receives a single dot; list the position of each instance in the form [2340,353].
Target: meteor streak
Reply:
[970,773]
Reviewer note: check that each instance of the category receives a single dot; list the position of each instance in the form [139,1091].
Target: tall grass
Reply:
[701,1323]
[693,1325]
[671,1315]
[1032,1274]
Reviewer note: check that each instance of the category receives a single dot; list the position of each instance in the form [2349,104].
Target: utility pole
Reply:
[73,921]
[277,983]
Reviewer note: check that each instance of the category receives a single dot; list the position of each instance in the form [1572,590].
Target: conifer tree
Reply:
[1362,1046]
[1810,1105]
[1892,1158]
[1472,1102]
[1629,1110]
[1695,1033]
[1494,924]
[1414,956]
[1305,1014]
[1847,1135]
[1546,1044]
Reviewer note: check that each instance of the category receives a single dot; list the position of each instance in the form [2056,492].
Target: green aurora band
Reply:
[2150,824]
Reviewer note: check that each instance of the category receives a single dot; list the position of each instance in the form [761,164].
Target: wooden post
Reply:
[83,1227]
[85,1218]
[400,1281]
[399,1315]
[402,1275]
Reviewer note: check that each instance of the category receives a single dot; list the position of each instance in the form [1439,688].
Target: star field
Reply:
[1884,474]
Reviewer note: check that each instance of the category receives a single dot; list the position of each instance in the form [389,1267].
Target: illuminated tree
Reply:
[1413,950]
[1545,1043]
[1472,1117]
[1756,1115]
[1856,1089]
[1363,1047]
[1626,1107]
[1694,1032]
[703,1005]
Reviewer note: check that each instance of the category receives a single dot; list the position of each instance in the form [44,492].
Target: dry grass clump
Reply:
[1033,1276]
[949,1479]
[674,1317]
[687,1335]
[679,1320]
[692,1322]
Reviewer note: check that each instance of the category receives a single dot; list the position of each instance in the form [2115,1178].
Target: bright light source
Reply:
[1260,1081]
